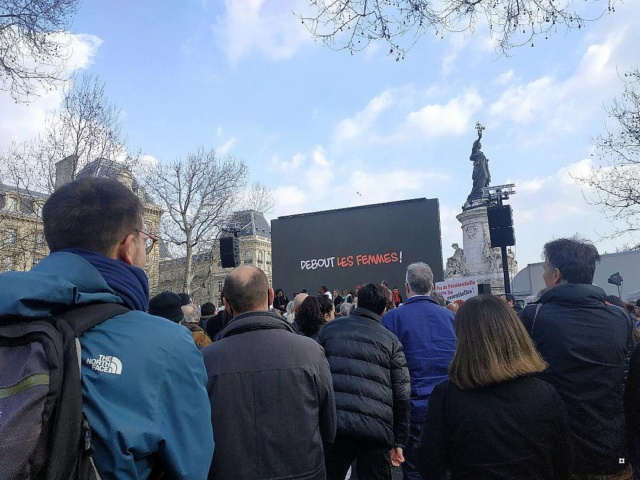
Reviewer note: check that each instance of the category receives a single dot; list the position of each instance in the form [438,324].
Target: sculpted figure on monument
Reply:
[455,263]
[481,176]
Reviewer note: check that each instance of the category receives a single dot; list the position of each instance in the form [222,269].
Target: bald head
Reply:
[298,299]
[246,289]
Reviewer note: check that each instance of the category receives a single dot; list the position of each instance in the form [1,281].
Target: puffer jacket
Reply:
[370,379]
[586,343]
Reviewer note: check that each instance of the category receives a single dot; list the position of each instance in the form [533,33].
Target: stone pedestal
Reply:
[481,260]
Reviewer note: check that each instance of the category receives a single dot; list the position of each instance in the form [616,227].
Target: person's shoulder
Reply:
[154,328]
[441,389]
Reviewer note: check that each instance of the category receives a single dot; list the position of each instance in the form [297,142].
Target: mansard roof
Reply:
[247,223]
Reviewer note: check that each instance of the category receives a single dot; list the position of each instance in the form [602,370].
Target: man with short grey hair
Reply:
[425,330]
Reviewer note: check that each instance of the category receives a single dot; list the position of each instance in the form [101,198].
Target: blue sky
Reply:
[325,129]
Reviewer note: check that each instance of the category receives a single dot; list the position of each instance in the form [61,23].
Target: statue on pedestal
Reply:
[455,263]
[481,176]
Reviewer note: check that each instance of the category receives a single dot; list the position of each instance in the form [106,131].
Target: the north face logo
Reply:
[106,363]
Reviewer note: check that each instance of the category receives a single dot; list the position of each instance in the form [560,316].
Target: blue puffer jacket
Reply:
[154,404]
[425,330]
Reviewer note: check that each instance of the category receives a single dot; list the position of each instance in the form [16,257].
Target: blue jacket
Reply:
[154,405]
[425,330]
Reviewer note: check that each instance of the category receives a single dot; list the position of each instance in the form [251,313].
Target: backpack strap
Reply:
[538,307]
[84,318]
[72,430]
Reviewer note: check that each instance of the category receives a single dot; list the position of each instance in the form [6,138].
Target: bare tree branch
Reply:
[353,24]
[616,181]
[85,128]
[259,198]
[31,45]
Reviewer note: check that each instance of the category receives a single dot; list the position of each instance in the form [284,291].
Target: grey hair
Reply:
[345,308]
[191,314]
[420,278]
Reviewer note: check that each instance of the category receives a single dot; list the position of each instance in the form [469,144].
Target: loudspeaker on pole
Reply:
[501,226]
[229,252]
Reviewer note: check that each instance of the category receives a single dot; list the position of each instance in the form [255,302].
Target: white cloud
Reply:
[81,51]
[289,200]
[281,165]
[320,157]
[388,118]
[451,118]
[257,26]
[524,103]
[226,147]
[505,78]
[351,129]
[20,121]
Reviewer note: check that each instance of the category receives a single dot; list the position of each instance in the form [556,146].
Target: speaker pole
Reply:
[505,261]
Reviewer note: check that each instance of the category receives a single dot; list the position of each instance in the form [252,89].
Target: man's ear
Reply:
[227,306]
[271,296]
[557,276]
[124,250]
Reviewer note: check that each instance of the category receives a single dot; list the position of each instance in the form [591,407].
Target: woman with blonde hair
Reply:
[493,419]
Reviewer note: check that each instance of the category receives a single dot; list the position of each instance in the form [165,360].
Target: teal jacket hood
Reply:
[57,282]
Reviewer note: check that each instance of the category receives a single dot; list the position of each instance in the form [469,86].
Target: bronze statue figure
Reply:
[481,176]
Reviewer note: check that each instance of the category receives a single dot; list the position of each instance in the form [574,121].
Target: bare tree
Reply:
[86,127]
[353,24]
[616,182]
[197,194]
[259,198]
[31,45]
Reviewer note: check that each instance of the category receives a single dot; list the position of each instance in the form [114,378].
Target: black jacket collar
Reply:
[251,321]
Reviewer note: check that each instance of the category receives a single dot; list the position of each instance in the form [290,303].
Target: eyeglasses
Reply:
[149,242]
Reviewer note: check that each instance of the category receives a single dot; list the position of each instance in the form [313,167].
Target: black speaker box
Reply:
[502,237]
[484,288]
[500,216]
[501,226]
[229,252]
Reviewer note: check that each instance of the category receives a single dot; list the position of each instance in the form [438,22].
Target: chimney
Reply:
[65,170]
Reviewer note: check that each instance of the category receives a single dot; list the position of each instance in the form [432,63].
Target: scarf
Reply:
[130,283]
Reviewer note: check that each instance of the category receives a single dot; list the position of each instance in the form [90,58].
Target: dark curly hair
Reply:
[310,315]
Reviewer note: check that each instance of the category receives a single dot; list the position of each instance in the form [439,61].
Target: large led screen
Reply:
[352,246]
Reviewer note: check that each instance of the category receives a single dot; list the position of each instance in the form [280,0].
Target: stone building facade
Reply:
[22,243]
[21,230]
[254,233]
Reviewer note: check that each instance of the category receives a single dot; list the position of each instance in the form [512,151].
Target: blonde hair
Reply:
[493,345]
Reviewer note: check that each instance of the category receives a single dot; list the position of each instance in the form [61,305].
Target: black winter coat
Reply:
[272,403]
[586,344]
[370,379]
[510,430]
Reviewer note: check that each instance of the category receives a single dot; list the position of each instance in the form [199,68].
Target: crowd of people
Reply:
[338,383]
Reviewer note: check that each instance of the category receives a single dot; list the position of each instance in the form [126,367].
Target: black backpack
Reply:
[43,431]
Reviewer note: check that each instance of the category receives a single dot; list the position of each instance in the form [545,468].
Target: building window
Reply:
[10,203]
[26,206]
[220,286]
[10,236]
[2,201]
[268,259]
[260,257]
[248,256]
